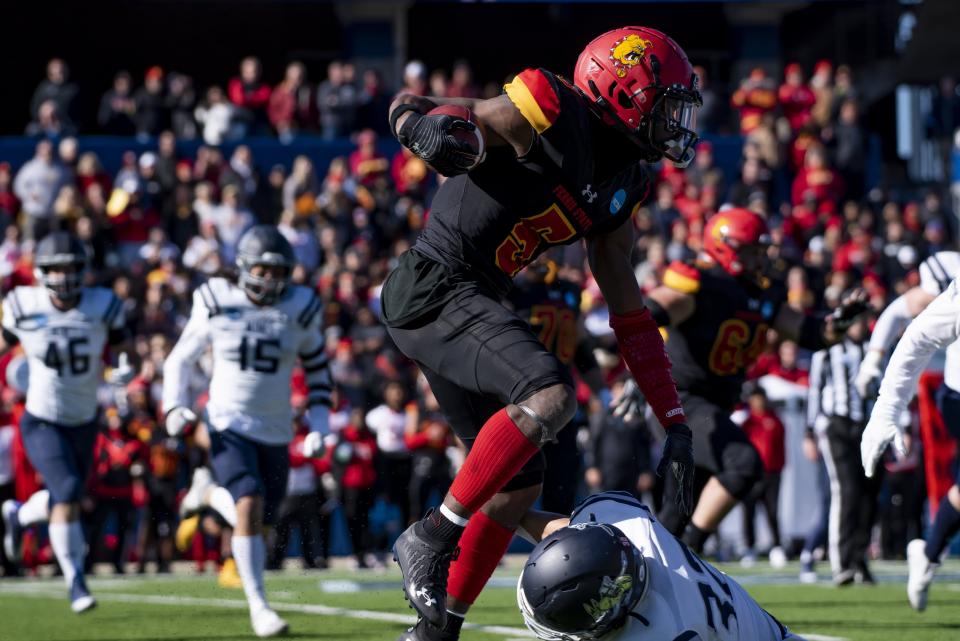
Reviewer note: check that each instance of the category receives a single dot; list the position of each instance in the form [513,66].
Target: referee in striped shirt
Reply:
[838,414]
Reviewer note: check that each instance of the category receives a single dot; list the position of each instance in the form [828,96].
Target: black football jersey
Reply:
[712,350]
[490,223]
[553,312]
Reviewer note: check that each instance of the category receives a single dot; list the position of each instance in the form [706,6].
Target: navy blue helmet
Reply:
[60,263]
[581,582]
[264,245]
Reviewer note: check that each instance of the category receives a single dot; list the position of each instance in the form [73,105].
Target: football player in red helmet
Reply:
[563,162]
[718,309]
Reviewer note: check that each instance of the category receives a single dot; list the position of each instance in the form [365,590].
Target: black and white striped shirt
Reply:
[832,392]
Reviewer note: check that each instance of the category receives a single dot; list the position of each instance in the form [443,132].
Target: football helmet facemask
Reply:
[264,245]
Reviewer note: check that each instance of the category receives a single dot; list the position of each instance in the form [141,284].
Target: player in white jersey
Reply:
[63,328]
[936,273]
[936,327]
[257,330]
[613,572]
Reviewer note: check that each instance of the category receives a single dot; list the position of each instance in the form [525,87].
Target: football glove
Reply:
[876,436]
[428,137]
[318,417]
[629,405]
[869,374]
[677,457]
[178,419]
[123,373]
[852,306]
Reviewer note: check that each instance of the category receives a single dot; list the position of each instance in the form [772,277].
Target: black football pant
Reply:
[853,497]
[9,568]
[300,510]
[478,357]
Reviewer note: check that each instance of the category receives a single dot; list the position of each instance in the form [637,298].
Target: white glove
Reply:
[329,483]
[313,446]
[630,404]
[178,418]
[878,434]
[318,418]
[869,373]
[123,373]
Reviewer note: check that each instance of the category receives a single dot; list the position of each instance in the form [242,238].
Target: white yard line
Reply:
[55,592]
[51,591]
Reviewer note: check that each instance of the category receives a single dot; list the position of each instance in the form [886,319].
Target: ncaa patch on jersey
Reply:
[618,200]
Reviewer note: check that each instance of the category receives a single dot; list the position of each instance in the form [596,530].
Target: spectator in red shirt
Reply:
[352,460]
[787,366]
[427,437]
[409,174]
[9,203]
[291,105]
[366,163]
[816,180]
[119,461]
[796,98]
[755,97]
[250,94]
[766,432]
[300,506]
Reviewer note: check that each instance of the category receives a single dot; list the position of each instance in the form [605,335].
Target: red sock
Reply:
[497,455]
[482,545]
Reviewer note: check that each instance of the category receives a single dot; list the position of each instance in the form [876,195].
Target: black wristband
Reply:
[395,116]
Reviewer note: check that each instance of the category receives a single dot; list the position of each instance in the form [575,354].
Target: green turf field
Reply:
[368,607]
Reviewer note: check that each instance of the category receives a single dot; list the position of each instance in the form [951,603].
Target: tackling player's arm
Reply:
[179,365]
[935,328]
[642,348]
[316,369]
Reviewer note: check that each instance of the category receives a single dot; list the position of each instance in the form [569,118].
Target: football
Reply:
[476,138]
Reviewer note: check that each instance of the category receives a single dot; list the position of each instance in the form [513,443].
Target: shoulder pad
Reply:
[21,300]
[104,303]
[683,277]
[216,294]
[307,304]
[534,92]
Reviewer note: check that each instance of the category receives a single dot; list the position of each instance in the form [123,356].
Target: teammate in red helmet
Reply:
[563,162]
[718,309]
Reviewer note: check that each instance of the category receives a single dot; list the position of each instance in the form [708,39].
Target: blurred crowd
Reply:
[166,222]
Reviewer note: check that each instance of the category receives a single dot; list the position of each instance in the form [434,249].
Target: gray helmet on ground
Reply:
[264,245]
[581,582]
[57,252]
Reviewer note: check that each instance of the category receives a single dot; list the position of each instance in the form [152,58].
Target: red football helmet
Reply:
[643,83]
[737,240]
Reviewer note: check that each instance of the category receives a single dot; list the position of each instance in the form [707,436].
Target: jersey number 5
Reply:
[73,360]
[260,354]
[520,247]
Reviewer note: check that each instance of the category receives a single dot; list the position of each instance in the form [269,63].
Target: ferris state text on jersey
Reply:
[255,349]
[64,349]
[712,349]
[494,220]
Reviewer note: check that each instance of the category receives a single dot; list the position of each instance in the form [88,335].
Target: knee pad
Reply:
[742,470]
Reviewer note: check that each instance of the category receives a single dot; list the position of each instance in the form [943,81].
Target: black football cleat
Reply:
[425,565]
[423,631]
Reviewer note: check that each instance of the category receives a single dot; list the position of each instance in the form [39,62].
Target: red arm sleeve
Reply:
[642,348]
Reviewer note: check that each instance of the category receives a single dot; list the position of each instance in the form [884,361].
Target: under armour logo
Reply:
[589,195]
[424,596]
